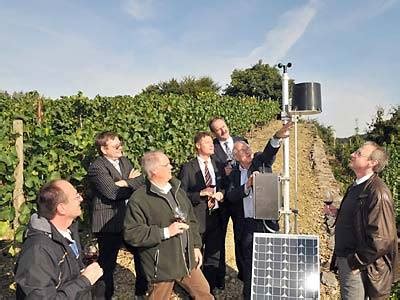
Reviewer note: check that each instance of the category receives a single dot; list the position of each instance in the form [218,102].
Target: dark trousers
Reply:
[237,223]
[109,245]
[250,226]
[220,280]
[212,247]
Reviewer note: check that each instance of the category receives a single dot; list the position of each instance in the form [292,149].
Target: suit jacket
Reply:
[192,182]
[107,199]
[219,153]
[262,162]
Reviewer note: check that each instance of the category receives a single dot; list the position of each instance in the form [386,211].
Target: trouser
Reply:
[195,284]
[212,246]
[220,280]
[109,245]
[351,283]
[250,226]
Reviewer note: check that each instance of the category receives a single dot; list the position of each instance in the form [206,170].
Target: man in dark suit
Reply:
[112,181]
[223,155]
[241,195]
[201,179]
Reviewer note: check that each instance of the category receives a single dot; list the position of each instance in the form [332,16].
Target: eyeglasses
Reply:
[165,165]
[359,154]
[117,146]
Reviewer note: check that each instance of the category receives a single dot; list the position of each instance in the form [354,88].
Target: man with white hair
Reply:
[240,194]
[168,243]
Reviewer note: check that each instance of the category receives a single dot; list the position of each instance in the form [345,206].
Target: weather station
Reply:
[285,265]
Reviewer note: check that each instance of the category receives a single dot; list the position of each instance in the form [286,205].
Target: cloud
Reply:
[368,10]
[280,39]
[139,9]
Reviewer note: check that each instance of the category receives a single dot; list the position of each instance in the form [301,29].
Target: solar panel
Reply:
[285,266]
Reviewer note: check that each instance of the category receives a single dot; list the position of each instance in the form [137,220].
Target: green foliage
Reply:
[187,86]
[260,81]
[62,144]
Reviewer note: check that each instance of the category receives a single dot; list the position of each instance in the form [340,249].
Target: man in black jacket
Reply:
[161,223]
[240,195]
[223,155]
[112,180]
[50,263]
[202,180]
[365,235]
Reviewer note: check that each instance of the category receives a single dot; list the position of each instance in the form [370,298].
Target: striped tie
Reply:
[228,151]
[207,175]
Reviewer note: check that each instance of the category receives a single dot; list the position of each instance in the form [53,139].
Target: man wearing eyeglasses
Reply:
[50,263]
[240,195]
[112,180]
[169,248]
[365,234]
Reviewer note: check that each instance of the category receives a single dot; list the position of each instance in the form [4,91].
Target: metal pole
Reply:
[295,174]
[285,119]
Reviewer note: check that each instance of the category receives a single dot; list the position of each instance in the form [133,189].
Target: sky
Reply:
[118,47]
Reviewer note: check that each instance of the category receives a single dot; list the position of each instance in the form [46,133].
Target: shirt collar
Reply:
[201,160]
[164,190]
[363,179]
[116,161]
[229,140]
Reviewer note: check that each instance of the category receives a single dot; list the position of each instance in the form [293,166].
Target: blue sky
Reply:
[59,47]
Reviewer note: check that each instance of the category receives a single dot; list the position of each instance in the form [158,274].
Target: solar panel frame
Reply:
[285,266]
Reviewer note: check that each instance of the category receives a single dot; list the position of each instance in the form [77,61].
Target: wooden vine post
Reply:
[18,194]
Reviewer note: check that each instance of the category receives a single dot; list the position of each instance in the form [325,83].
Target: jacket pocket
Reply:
[378,278]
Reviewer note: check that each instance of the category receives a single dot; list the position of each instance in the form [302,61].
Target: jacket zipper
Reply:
[180,239]
[156,259]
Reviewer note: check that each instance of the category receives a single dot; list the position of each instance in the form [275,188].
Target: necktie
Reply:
[207,175]
[228,151]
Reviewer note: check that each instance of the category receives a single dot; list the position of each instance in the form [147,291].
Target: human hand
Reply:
[93,272]
[208,191]
[284,131]
[121,183]
[250,181]
[177,228]
[218,196]
[198,258]
[134,173]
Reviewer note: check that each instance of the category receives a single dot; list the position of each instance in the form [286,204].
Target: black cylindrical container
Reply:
[306,98]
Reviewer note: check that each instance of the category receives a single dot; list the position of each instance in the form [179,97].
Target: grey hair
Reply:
[150,161]
[235,151]
[379,155]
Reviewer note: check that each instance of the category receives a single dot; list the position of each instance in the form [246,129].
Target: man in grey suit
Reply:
[112,180]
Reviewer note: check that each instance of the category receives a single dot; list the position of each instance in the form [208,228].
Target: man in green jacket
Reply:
[161,223]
